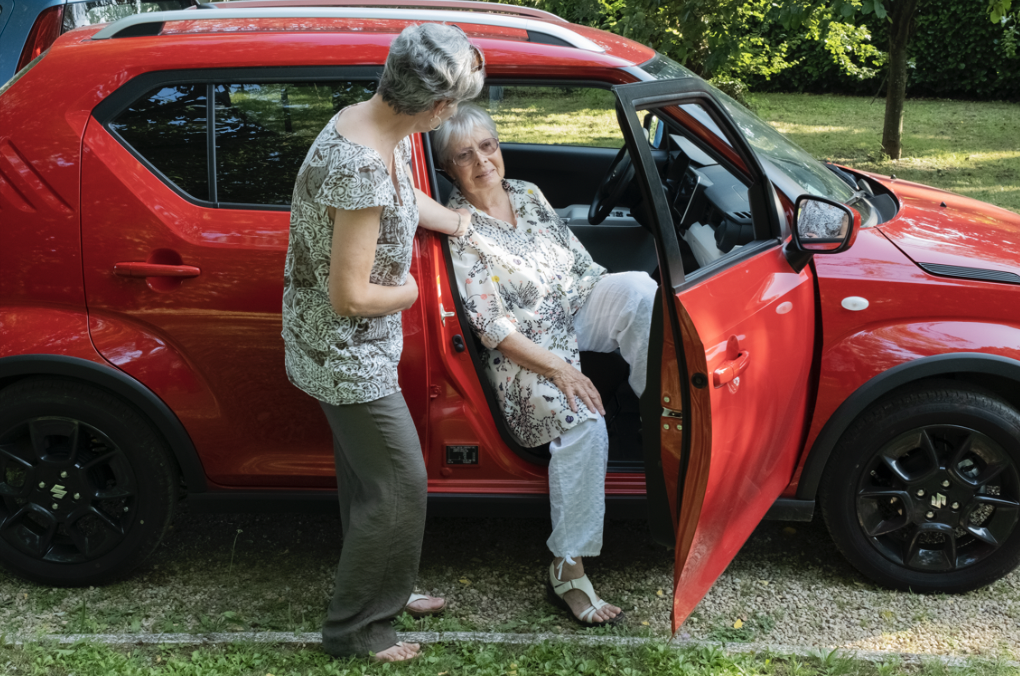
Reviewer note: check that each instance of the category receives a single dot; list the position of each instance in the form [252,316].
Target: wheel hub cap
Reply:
[939,498]
[66,490]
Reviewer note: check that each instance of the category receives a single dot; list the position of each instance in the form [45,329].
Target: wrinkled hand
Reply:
[573,383]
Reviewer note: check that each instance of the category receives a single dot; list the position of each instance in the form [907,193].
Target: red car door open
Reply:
[738,339]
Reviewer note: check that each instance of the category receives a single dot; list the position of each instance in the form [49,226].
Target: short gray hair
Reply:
[461,125]
[427,63]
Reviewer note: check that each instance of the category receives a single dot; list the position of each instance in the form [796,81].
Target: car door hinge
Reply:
[673,416]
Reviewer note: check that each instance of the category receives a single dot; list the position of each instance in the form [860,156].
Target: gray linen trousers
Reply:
[383,487]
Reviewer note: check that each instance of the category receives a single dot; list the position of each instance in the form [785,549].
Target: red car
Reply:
[824,336]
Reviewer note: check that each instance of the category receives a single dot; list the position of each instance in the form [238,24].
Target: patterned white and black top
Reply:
[344,360]
[531,278]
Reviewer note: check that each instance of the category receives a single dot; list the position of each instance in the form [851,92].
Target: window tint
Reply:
[263,132]
[168,127]
[576,116]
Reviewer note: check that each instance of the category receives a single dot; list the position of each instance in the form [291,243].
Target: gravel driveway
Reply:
[788,585]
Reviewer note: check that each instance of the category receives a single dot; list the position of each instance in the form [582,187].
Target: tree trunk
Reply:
[902,14]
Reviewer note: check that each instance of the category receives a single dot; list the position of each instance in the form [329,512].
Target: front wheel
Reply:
[923,490]
[87,488]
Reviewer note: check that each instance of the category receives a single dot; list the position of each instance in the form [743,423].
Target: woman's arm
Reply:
[352,255]
[434,216]
[568,379]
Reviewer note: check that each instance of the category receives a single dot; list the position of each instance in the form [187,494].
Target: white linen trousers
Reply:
[617,315]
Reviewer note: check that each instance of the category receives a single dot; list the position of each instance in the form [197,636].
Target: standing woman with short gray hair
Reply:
[353,217]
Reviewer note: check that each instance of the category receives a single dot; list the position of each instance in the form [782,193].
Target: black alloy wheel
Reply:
[87,488]
[923,491]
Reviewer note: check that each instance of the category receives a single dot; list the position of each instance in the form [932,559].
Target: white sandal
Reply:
[418,614]
[557,589]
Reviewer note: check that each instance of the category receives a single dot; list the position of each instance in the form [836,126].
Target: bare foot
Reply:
[427,606]
[401,652]
[578,600]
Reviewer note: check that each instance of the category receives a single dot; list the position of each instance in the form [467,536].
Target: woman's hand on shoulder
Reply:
[464,222]
[574,384]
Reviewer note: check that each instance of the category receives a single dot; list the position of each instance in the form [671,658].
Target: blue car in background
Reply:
[29,27]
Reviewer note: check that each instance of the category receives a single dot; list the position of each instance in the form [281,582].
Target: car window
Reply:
[168,127]
[709,202]
[576,116]
[263,132]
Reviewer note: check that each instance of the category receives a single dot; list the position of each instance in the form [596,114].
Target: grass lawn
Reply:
[544,659]
[967,147]
[972,148]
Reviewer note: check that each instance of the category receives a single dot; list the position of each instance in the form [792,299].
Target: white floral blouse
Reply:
[531,278]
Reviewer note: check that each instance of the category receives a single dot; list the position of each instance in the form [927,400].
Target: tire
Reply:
[87,487]
[923,490]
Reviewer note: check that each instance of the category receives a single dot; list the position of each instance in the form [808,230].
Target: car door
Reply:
[184,243]
[737,353]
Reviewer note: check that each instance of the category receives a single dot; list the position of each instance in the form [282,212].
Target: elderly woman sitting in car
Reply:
[535,297]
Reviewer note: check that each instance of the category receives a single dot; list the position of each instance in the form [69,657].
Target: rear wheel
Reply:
[923,490]
[87,488]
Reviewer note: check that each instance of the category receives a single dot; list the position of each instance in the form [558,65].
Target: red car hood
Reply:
[934,226]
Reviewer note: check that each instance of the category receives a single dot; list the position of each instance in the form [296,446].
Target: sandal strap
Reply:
[582,584]
[415,597]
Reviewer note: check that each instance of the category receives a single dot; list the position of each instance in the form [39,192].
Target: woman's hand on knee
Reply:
[575,384]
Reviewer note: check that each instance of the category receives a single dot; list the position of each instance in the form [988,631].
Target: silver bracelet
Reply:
[460,222]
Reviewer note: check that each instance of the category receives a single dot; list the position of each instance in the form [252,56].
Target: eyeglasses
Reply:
[467,155]
[479,60]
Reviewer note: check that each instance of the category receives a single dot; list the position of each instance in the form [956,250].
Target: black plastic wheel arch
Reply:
[884,383]
[128,389]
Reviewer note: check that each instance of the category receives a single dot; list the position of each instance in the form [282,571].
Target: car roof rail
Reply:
[463,5]
[539,31]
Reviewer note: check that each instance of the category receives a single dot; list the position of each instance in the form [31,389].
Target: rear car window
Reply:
[262,132]
[169,128]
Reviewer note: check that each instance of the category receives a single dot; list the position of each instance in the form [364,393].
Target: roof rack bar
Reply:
[150,23]
[466,5]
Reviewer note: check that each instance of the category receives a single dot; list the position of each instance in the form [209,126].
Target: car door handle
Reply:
[137,269]
[731,369]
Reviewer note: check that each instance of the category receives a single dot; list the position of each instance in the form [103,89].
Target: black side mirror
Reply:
[655,128]
[824,226]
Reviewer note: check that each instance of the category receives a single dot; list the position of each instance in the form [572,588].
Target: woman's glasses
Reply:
[479,60]
[467,156]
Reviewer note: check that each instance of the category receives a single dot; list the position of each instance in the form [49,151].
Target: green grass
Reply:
[544,659]
[972,148]
[967,147]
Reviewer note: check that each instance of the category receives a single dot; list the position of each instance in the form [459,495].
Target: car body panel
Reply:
[761,315]
[964,232]
[39,193]
[46,329]
[911,315]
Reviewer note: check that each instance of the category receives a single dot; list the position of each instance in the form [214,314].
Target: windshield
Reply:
[777,152]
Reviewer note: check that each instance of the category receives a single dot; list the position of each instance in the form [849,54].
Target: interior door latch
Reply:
[444,314]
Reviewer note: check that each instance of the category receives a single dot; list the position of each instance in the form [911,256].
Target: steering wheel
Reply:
[612,187]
